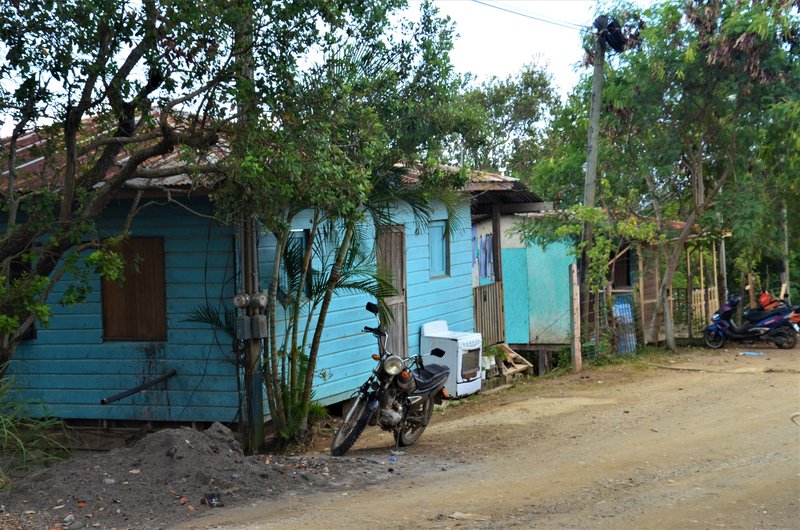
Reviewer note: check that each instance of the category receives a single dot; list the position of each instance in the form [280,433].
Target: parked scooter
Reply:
[767,306]
[774,326]
[396,397]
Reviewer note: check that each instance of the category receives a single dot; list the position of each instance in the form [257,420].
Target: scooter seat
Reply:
[431,375]
[757,316]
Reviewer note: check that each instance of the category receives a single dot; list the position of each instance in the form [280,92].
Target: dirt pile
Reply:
[169,476]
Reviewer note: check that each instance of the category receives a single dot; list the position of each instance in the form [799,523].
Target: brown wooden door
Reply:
[391,254]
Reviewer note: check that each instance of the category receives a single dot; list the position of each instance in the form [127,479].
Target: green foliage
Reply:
[25,441]
[611,233]
[224,320]
[492,120]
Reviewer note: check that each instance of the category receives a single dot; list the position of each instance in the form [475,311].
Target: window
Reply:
[293,256]
[439,244]
[135,307]
[622,271]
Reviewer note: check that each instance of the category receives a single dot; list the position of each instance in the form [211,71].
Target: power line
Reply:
[539,18]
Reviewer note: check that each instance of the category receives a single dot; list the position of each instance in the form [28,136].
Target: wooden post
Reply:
[577,359]
[716,275]
[689,291]
[751,288]
[706,316]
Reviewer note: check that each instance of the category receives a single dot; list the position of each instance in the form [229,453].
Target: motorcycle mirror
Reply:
[372,307]
[437,352]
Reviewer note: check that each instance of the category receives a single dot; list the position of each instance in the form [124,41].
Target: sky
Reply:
[494,42]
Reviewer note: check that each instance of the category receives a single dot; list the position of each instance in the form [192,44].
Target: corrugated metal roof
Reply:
[40,161]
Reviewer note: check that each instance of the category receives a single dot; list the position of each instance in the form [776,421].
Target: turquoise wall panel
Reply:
[548,293]
[515,295]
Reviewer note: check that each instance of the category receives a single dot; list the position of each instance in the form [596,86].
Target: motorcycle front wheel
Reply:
[351,428]
[410,431]
[713,339]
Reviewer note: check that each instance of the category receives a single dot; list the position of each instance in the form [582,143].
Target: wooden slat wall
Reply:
[344,356]
[70,367]
[489,317]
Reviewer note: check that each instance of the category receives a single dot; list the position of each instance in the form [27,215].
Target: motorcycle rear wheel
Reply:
[408,434]
[787,341]
[713,340]
[351,427]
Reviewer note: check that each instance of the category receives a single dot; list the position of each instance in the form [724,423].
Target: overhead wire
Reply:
[539,18]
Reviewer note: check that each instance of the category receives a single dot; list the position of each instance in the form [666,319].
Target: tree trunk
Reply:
[674,259]
[785,215]
[295,352]
[271,372]
[323,313]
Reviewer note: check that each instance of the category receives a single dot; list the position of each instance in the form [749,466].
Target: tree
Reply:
[111,87]
[494,119]
[377,96]
[686,112]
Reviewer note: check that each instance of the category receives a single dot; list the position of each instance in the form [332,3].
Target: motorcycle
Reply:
[774,326]
[767,305]
[398,396]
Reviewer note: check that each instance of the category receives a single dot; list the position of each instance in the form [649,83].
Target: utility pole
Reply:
[252,327]
[590,181]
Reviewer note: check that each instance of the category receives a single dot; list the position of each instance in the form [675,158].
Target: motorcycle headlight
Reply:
[715,318]
[393,365]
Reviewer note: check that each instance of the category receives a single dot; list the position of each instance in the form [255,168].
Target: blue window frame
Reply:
[439,246]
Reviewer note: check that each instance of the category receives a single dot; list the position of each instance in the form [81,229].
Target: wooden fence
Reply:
[489,315]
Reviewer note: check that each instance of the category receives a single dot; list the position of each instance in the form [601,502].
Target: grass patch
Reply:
[25,441]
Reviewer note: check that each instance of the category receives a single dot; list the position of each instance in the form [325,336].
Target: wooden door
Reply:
[391,254]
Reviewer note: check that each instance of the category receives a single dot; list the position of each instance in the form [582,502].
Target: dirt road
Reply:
[702,441]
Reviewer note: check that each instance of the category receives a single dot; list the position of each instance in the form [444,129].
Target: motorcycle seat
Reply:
[430,375]
[756,316]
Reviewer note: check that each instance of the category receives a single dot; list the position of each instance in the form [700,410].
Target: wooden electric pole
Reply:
[246,108]
[590,181]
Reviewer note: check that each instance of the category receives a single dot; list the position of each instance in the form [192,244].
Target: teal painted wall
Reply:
[71,368]
[345,354]
[515,295]
[548,293]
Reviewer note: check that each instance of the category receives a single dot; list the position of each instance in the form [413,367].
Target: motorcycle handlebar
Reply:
[376,331]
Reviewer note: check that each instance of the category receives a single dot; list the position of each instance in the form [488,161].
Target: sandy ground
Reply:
[703,440]
[700,440]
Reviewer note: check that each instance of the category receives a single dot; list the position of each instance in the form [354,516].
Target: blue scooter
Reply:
[773,326]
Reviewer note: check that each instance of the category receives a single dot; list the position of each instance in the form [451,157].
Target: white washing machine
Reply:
[462,354]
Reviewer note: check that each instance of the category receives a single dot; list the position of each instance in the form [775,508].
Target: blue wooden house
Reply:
[128,334]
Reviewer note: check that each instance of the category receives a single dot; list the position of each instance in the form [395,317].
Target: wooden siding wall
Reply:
[71,368]
[344,356]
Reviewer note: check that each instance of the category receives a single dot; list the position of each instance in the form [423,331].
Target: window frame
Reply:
[439,266]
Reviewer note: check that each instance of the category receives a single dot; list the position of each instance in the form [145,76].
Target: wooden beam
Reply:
[497,238]
[514,207]
[490,186]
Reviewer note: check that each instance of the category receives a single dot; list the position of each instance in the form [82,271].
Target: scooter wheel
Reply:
[787,341]
[713,339]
